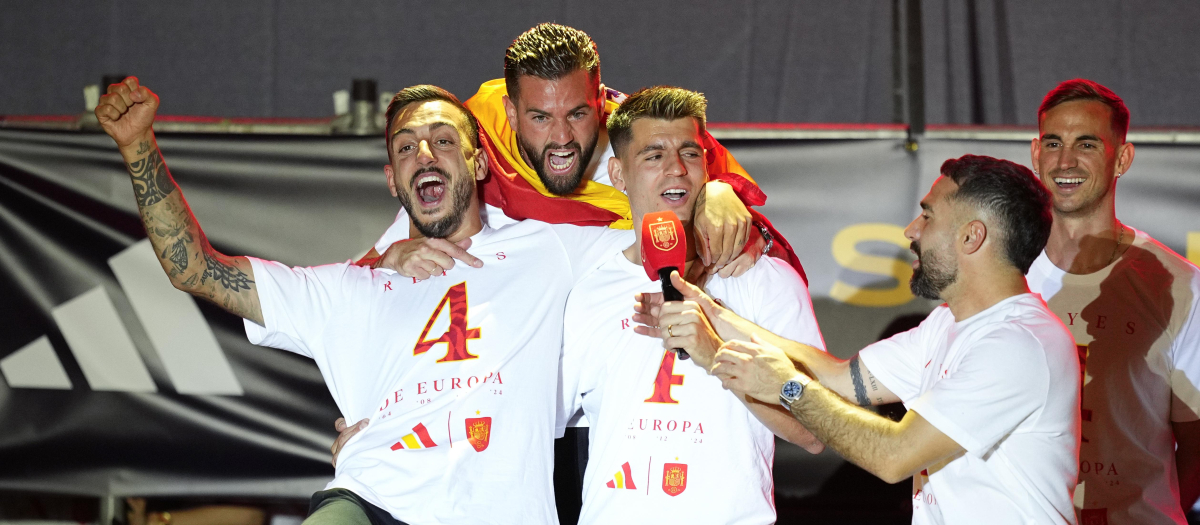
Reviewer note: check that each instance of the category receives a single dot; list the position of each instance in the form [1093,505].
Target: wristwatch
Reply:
[792,390]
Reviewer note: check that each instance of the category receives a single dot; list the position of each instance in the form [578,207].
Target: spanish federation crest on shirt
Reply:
[674,478]
[663,236]
[479,432]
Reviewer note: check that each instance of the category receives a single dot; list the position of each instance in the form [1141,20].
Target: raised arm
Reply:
[127,114]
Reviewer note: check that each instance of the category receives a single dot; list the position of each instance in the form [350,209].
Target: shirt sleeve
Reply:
[1185,361]
[580,369]
[1002,380]
[296,304]
[783,304]
[898,361]
[586,246]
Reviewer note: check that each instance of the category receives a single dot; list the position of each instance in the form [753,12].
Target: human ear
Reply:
[390,174]
[481,164]
[974,235]
[510,110]
[1124,158]
[615,175]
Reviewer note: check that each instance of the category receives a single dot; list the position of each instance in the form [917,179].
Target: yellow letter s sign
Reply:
[845,252]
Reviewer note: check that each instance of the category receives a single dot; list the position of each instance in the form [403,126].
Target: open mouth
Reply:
[675,195]
[1068,183]
[561,161]
[430,189]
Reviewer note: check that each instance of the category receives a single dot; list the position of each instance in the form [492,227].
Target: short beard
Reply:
[462,191]
[930,278]
[567,184]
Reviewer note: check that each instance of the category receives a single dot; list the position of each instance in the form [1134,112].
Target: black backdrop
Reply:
[985,61]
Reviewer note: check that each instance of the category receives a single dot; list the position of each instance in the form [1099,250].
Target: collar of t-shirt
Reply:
[987,313]
[1044,269]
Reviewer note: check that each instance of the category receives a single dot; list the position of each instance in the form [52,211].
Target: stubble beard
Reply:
[567,184]
[931,277]
[461,191]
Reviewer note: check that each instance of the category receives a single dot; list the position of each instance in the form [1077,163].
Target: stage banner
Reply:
[115,383]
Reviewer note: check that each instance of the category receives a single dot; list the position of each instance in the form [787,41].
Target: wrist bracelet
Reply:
[766,234]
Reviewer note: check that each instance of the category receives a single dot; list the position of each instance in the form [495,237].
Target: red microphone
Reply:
[664,250]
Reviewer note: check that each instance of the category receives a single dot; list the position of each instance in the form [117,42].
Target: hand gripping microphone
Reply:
[664,250]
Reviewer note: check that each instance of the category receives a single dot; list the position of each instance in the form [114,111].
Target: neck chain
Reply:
[1117,248]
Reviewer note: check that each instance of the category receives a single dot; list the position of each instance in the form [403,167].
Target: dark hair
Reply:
[660,102]
[1011,194]
[425,93]
[550,51]
[1084,89]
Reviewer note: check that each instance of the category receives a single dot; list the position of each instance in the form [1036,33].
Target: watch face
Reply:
[791,389]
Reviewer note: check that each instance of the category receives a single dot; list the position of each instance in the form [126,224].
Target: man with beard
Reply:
[990,377]
[543,128]
[457,373]
[1132,305]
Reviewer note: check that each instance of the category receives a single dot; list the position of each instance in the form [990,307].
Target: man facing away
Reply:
[1132,305]
[990,377]
[457,373]
[667,443]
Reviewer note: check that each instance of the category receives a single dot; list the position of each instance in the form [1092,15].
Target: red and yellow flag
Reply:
[514,186]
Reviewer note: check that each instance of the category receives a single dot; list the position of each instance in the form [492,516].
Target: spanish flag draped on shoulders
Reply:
[514,186]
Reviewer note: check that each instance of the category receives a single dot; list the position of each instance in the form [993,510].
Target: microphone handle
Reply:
[670,293]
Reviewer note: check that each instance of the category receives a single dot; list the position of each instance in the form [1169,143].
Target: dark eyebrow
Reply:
[579,107]
[652,147]
[1091,138]
[690,144]
[432,127]
[1051,136]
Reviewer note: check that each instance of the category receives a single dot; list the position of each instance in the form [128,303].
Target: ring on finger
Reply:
[669,332]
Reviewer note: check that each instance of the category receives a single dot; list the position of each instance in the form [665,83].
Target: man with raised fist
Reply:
[457,373]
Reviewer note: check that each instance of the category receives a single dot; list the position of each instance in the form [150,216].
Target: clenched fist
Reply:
[127,112]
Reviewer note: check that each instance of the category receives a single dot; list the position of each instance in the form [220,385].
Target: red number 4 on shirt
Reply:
[457,335]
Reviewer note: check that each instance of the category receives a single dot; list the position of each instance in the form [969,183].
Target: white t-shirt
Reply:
[458,373]
[597,171]
[1136,324]
[1004,385]
[666,443]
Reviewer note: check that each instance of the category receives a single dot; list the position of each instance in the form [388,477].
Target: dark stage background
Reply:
[985,61]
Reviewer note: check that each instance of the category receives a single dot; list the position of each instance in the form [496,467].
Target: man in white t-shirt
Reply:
[1132,305]
[667,443]
[990,377]
[457,373]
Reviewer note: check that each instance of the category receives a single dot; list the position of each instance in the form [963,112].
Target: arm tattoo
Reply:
[231,278]
[151,181]
[860,390]
[178,254]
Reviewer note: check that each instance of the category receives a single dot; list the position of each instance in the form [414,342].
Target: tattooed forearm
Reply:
[229,277]
[151,181]
[184,252]
[860,390]
[178,255]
